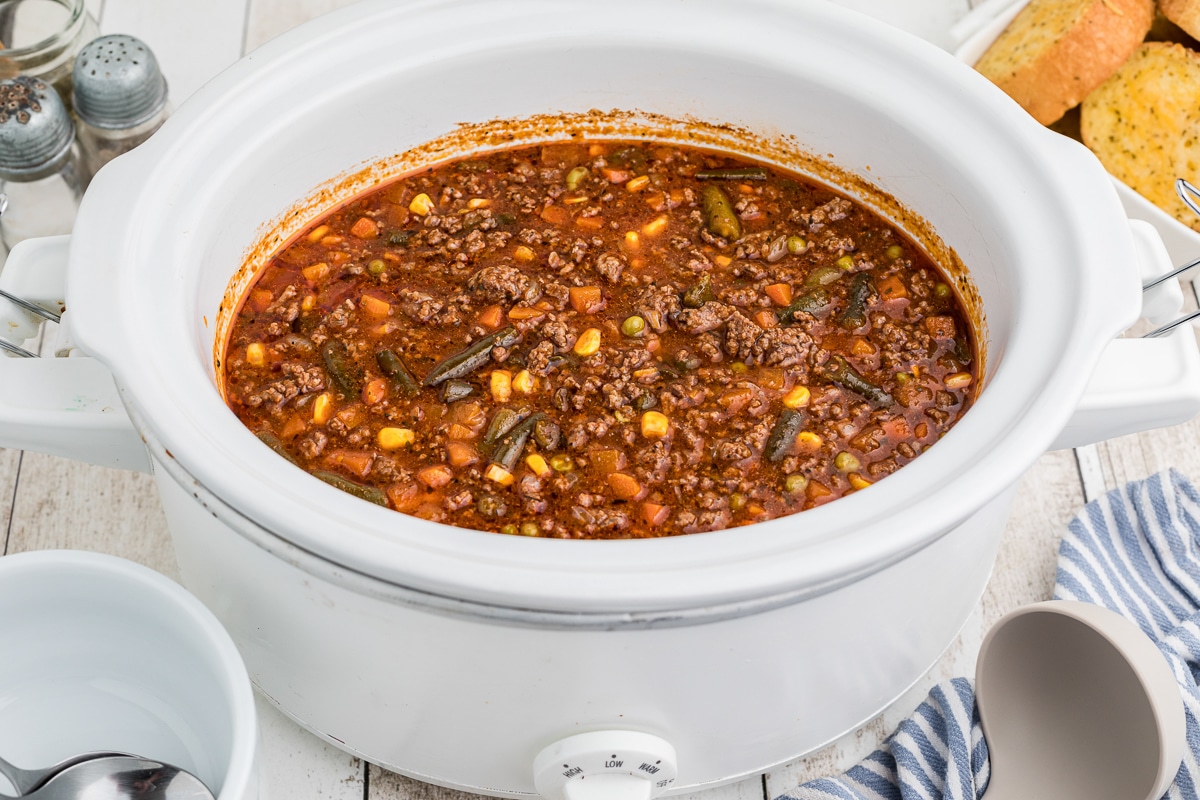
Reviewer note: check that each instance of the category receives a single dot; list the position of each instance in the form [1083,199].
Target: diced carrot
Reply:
[590,223]
[316,272]
[861,346]
[897,429]
[357,462]
[613,175]
[586,299]
[518,313]
[656,200]
[374,306]
[771,377]
[891,287]
[491,317]
[457,431]
[922,430]
[364,228]
[766,319]
[780,293]
[375,391]
[940,327]
[655,513]
[626,487]
[556,215]
[608,460]
[296,425]
[461,454]
[351,416]
[435,477]
[818,492]
[260,299]
[404,496]
[735,400]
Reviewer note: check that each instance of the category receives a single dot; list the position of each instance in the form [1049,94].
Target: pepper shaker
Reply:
[120,97]
[39,161]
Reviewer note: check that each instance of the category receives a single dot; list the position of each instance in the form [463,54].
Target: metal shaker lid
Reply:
[36,132]
[117,83]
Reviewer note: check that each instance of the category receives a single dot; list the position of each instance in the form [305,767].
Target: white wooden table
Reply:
[47,502]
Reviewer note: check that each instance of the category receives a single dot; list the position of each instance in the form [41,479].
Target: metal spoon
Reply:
[120,778]
[1077,704]
[26,780]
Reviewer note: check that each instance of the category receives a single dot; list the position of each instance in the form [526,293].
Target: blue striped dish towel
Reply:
[1135,551]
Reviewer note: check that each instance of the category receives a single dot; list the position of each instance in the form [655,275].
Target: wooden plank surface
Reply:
[48,502]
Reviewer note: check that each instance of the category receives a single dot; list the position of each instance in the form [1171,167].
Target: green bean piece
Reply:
[371,494]
[735,174]
[719,216]
[547,434]
[471,165]
[855,315]
[472,358]
[503,220]
[698,293]
[783,435]
[563,360]
[575,177]
[628,158]
[272,441]
[345,373]
[453,391]
[393,367]
[400,238]
[737,501]
[839,371]
[809,303]
[509,448]
[962,351]
[823,276]
[645,402]
[503,421]
[633,327]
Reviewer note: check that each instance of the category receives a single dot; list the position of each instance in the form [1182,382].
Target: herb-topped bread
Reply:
[1055,52]
[1184,13]
[1143,124]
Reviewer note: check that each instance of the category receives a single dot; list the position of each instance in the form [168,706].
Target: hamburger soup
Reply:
[600,340]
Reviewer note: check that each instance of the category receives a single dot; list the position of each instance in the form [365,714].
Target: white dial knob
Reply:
[605,765]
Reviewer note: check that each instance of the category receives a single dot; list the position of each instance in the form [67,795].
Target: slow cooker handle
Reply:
[1141,384]
[63,406]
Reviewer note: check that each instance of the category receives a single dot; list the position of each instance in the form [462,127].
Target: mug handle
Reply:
[67,406]
[1140,384]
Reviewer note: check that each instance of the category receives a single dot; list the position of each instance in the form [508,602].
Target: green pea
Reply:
[796,245]
[941,290]
[903,378]
[376,266]
[739,367]
[737,502]
[561,462]
[530,529]
[845,262]
[509,529]
[795,483]
[633,327]
[895,251]
[575,177]
[846,462]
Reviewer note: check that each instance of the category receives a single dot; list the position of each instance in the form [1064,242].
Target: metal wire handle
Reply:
[1190,196]
[6,345]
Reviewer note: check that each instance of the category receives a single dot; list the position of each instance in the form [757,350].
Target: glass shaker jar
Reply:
[42,37]
[40,165]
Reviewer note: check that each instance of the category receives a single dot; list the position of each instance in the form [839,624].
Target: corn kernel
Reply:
[322,408]
[523,253]
[638,183]
[478,202]
[421,204]
[587,343]
[655,226]
[959,380]
[309,302]
[318,233]
[256,354]
[797,397]
[632,241]
[808,441]
[655,424]
[858,481]
[395,438]
[524,382]
[316,272]
[499,474]
[501,385]
[538,465]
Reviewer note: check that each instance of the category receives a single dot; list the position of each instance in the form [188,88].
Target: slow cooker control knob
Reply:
[605,765]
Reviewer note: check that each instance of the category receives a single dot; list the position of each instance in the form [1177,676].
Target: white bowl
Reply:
[104,654]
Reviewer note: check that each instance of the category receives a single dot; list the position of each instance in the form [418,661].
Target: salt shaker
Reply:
[39,161]
[120,97]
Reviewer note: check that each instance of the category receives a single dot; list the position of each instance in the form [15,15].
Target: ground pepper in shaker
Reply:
[39,161]
[120,97]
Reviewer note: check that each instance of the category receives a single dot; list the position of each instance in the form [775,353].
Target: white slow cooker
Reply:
[457,657]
